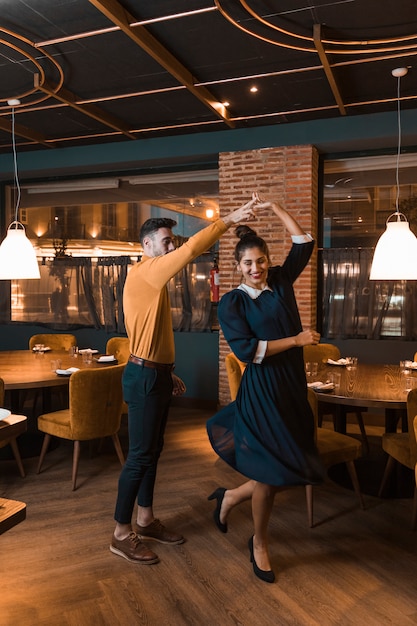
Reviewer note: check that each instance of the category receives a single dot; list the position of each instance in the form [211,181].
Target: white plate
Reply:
[44,349]
[67,372]
[87,350]
[4,413]
[106,359]
[339,362]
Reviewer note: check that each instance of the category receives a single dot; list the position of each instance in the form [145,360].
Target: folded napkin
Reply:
[339,362]
[88,350]
[326,387]
[107,358]
[319,386]
[44,349]
[68,371]
[412,365]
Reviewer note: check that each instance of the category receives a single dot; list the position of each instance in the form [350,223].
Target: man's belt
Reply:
[151,364]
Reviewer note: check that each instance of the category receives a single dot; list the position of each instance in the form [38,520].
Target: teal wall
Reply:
[341,134]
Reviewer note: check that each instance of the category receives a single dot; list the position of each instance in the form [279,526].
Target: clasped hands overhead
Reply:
[255,204]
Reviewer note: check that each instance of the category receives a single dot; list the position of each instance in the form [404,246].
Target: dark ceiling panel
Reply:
[228,47]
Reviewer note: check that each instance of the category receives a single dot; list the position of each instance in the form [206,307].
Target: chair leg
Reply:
[363,431]
[118,448]
[354,478]
[75,459]
[309,500]
[44,449]
[17,456]
[388,469]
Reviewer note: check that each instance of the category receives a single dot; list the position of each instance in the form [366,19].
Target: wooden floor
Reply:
[353,568]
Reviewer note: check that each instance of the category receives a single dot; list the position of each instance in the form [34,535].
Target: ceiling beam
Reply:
[143,38]
[327,68]
[67,97]
[27,133]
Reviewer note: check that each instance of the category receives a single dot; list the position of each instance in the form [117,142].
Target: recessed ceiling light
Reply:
[226,103]
[253,89]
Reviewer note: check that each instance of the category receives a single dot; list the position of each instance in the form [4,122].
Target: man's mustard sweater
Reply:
[146,304]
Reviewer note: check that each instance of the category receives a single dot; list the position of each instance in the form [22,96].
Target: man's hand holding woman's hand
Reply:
[244,213]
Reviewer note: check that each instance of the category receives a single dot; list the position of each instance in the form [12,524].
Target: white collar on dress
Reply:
[252,292]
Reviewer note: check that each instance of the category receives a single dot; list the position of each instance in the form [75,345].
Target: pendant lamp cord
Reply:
[16,177]
[397,178]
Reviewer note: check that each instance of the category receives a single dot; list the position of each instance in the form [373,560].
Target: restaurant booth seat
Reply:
[95,406]
[120,347]
[55,341]
[320,353]
[333,447]
[402,448]
[10,431]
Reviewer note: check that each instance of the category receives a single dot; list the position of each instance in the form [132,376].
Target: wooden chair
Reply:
[120,347]
[319,354]
[402,448]
[333,447]
[95,406]
[55,341]
[10,429]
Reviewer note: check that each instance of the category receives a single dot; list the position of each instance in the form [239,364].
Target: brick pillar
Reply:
[286,174]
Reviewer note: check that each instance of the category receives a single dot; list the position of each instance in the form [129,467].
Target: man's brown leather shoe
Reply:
[157,531]
[132,549]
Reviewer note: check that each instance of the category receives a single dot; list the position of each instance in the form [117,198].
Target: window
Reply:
[86,235]
[359,194]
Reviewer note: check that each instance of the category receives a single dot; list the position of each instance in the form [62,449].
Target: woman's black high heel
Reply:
[267,576]
[218,495]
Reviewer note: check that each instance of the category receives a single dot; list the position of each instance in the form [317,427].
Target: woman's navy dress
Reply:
[267,434]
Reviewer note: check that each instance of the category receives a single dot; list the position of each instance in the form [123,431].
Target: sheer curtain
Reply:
[355,307]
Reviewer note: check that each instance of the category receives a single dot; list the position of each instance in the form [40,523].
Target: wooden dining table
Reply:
[370,386]
[25,369]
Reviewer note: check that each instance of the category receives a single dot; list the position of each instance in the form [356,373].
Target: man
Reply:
[148,380]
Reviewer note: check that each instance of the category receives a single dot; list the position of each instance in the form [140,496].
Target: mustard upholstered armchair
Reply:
[120,347]
[319,354]
[333,447]
[55,341]
[95,406]
[402,448]
[234,369]
[17,429]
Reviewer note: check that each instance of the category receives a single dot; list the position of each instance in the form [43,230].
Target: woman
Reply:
[267,434]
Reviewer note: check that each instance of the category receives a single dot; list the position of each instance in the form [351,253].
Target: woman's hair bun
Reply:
[244,231]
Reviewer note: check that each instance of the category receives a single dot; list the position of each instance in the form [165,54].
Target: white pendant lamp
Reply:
[17,256]
[395,256]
